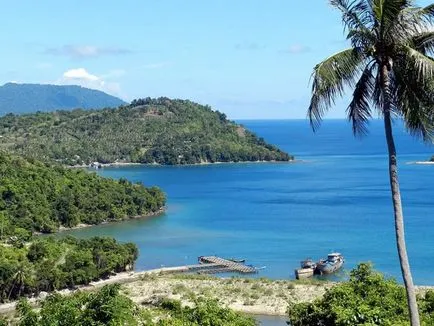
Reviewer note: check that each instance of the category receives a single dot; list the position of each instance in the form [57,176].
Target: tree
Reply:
[390,69]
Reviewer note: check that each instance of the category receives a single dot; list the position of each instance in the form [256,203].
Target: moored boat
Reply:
[332,264]
[307,269]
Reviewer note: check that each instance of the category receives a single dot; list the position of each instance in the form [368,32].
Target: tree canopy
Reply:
[40,197]
[109,306]
[49,264]
[162,131]
[368,298]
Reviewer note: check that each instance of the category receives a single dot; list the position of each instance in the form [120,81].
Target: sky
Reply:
[250,59]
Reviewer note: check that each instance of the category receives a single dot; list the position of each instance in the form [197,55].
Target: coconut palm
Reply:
[390,70]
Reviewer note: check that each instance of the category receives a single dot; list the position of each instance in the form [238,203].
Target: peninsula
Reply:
[41,197]
[150,131]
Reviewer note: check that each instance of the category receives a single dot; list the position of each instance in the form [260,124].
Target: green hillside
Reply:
[159,130]
[48,264]
[26,98]
[39,197]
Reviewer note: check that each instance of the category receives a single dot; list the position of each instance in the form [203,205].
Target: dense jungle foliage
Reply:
[368,298]
[109,307]
[162,131]
[40,197]
[49,264]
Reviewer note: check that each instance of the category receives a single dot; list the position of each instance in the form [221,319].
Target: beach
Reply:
[253,296]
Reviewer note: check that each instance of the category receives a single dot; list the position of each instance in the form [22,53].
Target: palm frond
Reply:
[359,111]
[329,80]
[362,38]
[423,42]
[389,14]
[414,101]
[421,65]
[356,14]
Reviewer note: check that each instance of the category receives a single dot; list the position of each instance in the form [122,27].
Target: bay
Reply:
[275,214]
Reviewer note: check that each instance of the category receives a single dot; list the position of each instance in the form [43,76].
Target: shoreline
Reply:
[62,228]
[422,163]
[123,164]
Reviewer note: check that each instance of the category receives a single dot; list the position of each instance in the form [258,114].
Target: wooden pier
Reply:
[213,264]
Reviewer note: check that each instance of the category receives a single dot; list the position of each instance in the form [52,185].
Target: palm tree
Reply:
[390,69]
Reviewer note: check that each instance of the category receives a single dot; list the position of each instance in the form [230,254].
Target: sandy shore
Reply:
[253,296]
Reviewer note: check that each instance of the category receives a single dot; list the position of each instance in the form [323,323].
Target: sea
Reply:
[334,198]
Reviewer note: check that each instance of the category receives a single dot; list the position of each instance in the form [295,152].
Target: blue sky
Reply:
[249,59]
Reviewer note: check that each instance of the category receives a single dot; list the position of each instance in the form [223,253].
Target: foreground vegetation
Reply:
[368,298]
[49,264]
[389,68]
[109,307]
[41,197]
[159,130]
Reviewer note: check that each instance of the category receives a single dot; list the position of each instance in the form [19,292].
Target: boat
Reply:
[307,269]
[332,264]
[240,261]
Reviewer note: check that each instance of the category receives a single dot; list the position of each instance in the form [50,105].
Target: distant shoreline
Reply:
[121,164]
[422,163]
[84,225]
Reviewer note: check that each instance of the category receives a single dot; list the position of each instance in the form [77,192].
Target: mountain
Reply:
[40,197]
[162,131]
[25,98]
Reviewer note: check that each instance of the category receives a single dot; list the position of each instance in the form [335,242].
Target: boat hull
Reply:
[327,267]
[302,273]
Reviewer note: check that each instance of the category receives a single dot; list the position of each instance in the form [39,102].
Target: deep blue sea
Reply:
[275,214]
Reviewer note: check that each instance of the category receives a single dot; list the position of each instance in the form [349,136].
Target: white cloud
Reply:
[80,76]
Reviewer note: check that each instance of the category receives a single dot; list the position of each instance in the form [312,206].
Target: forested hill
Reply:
[27,98]
[148,130]
[35,196]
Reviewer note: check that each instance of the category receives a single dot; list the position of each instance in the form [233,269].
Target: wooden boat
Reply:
[332,264]
[307,269]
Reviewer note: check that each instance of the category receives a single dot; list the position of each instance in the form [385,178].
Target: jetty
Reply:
[214,264]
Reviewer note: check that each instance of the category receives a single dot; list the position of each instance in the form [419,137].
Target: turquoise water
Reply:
[275,214]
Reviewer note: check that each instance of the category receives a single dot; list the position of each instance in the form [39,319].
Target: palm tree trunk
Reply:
[397,205]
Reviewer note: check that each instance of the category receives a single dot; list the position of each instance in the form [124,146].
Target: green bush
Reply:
[49,264]
[108,307]
[367,298]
